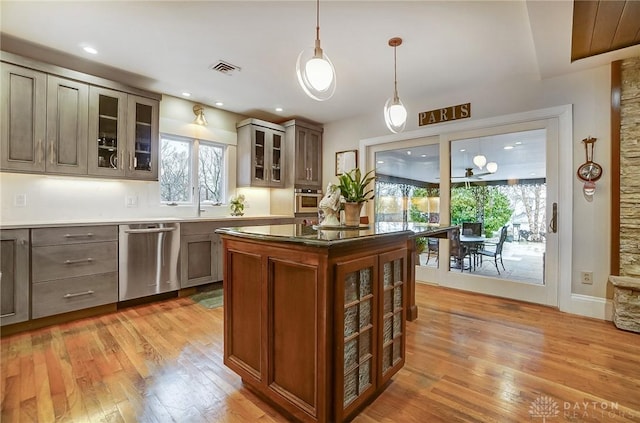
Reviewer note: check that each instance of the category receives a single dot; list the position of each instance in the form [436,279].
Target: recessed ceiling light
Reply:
[518,142]
[532,174]
[186,94]
[219,103]
[90,50]
[279,109]
[423,155]
[508,147]
[462,150]
[409,153]
[380,161]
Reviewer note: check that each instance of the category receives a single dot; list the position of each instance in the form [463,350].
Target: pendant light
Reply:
[316,74]
[492,167]
[480,160]
[395,114]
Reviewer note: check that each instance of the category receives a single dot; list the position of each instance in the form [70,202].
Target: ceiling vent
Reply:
[225,68]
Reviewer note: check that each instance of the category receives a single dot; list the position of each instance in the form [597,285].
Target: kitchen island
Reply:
[315,319]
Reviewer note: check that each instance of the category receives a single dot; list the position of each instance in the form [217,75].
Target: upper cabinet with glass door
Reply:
[123,139]
[142,129]
[261,154]
[107,132]
[55,120]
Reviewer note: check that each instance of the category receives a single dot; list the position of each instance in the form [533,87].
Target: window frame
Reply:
[194,169]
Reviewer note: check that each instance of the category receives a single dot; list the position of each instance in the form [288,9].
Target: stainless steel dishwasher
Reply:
[149,259]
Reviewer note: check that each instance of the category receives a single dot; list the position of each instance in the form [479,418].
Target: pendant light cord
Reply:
[395,76]
[318,49]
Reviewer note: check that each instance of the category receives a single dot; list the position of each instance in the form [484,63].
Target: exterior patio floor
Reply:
[523,262]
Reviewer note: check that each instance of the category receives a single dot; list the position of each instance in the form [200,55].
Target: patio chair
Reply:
[458,251]
[433,246]
[474,229]
[497,252]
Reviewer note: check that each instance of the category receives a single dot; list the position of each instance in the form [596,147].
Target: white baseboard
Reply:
[586,305]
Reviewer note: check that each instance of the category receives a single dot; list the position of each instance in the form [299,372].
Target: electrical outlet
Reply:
[586,278]
[131,201]
[20,200]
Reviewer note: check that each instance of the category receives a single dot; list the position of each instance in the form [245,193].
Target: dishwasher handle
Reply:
[149,230]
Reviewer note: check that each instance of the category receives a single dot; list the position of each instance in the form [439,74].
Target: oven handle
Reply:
[149,230]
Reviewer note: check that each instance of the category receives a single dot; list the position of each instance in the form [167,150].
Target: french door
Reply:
[544,278]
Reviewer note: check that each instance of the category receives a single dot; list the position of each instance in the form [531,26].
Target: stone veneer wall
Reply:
[630,168]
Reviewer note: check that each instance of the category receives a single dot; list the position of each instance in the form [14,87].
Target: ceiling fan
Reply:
[468,174]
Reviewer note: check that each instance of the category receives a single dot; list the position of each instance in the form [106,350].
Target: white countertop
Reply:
[125,221]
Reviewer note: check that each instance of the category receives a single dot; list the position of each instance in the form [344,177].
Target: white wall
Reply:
[61,198]
[588,91]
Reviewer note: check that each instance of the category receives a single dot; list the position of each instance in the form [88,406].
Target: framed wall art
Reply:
[346,161]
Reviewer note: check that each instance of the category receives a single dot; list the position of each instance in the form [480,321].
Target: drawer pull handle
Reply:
[87,235]
[87,260]
[79,294]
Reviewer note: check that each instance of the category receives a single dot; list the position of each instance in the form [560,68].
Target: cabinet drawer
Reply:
[68,261]
[73,235]
[64,295]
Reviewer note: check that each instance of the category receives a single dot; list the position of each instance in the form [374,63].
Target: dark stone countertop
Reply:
[325,237]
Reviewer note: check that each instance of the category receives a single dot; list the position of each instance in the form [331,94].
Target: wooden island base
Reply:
[316,327]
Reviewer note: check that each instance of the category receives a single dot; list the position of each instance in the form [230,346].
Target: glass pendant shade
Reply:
[395,115]
[492,167]
[316,74]
[480,161]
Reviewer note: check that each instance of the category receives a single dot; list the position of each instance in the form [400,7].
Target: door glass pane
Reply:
[408,190]
[498,182]
[107,132]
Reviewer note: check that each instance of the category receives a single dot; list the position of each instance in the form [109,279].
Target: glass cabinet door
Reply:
[276,156]
[107,132]
[143,138]
[259,156]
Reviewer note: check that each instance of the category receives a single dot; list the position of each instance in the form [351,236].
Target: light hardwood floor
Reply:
[469,358]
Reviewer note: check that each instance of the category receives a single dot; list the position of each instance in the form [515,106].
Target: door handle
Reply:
[51,150]
[553,225]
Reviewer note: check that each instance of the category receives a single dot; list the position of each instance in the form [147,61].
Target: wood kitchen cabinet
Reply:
[316,327]
[24,114]
[73,268]
[14,279]
[142,137]
[123,135]
[304,143]
[67,126]
[201,254]
[44,122]
[261,154]
[58,121]
[107,132]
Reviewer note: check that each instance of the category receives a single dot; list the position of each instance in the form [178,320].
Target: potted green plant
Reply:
[353,188]
[236,203]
